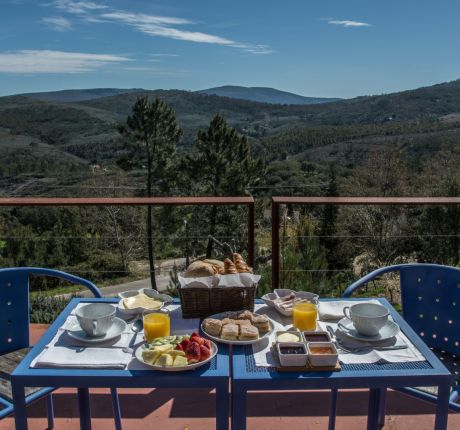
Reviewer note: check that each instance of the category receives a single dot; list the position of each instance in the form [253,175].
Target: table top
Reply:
[218,368]
[429,372]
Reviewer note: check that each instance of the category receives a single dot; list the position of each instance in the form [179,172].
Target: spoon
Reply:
[136,328]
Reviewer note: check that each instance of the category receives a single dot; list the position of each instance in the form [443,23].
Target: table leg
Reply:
[442,407]
[333,409]
[84,408]
[20,408]
[373,409]
[382,406]
[222,406]
[239,408]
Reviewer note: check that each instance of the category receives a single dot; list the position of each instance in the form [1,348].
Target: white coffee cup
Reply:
[96,318]
[368,318]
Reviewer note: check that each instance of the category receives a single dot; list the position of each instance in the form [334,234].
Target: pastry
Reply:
[227,321]
[242,323]
[246,315]
[216,264]
[212,326]
[229,267]
[229,332]
[199,269]
[240,264]
[248,333]
[261,322]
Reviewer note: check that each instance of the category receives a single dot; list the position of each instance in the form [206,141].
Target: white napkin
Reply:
[181,325]
[333,310]
[411,353]
[262,350]
[81,357]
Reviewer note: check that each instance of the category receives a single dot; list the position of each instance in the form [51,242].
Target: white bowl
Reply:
[291,360]
[148,292]
[322,360]
[269,299]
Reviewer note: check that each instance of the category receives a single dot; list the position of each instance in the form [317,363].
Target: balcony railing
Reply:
[278,201]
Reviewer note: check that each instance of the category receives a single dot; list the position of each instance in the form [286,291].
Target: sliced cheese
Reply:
[141,301]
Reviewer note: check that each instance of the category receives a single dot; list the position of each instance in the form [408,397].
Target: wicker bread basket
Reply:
[202,302]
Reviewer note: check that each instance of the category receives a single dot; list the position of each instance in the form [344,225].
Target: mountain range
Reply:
[256,94]
[265,95]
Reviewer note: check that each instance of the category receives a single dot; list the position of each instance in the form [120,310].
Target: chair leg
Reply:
[382,404]
[333,409]
[50,411]
[116,409]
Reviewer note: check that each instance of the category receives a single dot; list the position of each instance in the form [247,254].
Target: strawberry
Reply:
[205,352]
[184,344]
[193,353]
[179,347]
[194,334]
[199,340]
[207,343]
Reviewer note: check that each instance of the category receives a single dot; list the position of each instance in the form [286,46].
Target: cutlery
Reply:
[136,328]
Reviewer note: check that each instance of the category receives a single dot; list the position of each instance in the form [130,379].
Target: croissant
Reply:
[240,264]
[229,267]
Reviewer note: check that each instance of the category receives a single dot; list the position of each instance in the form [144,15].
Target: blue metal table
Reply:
[213,375]
[376,377]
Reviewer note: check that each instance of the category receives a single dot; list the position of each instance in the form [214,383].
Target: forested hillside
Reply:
[397,144]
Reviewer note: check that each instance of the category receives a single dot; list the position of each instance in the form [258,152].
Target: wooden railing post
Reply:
[275,244]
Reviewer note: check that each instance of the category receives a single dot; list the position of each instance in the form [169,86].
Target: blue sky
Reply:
[332,48]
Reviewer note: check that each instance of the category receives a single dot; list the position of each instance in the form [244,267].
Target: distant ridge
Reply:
[72,96]
[265,95]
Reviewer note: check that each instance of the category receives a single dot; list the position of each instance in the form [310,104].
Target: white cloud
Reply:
[152,25]
[45,61]
[164,55]
[58,23]
[348,23]
[162,26]
[78,7]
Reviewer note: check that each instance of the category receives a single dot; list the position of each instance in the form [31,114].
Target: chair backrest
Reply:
[14,310]
[430,296]
[14,303]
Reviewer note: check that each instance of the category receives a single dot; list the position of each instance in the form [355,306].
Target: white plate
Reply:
[270,299]
[223,315]
[118,327]
[148,292]
[138,355]
[389,330]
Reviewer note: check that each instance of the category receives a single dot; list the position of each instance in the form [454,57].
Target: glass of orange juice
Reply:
[304,315]
[156,324]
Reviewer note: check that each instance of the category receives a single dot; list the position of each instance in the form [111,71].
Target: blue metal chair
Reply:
[430,295]
[14,340]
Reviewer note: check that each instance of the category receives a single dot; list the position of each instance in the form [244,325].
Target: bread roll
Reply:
[229,267]
[199,269]
[216,264]
[240,264]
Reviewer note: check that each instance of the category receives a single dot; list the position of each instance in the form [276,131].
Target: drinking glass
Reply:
[157,323]
[305,314]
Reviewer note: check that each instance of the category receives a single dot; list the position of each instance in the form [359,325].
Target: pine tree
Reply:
[223,165]
[151,134]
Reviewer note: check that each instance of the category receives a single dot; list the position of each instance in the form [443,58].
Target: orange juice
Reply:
[304,316]
[156,324]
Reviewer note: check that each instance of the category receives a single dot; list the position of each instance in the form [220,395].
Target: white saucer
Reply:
[118,327]
[389,330]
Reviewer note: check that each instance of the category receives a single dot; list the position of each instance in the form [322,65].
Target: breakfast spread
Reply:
[141,300]
[176,351]
[242,326]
